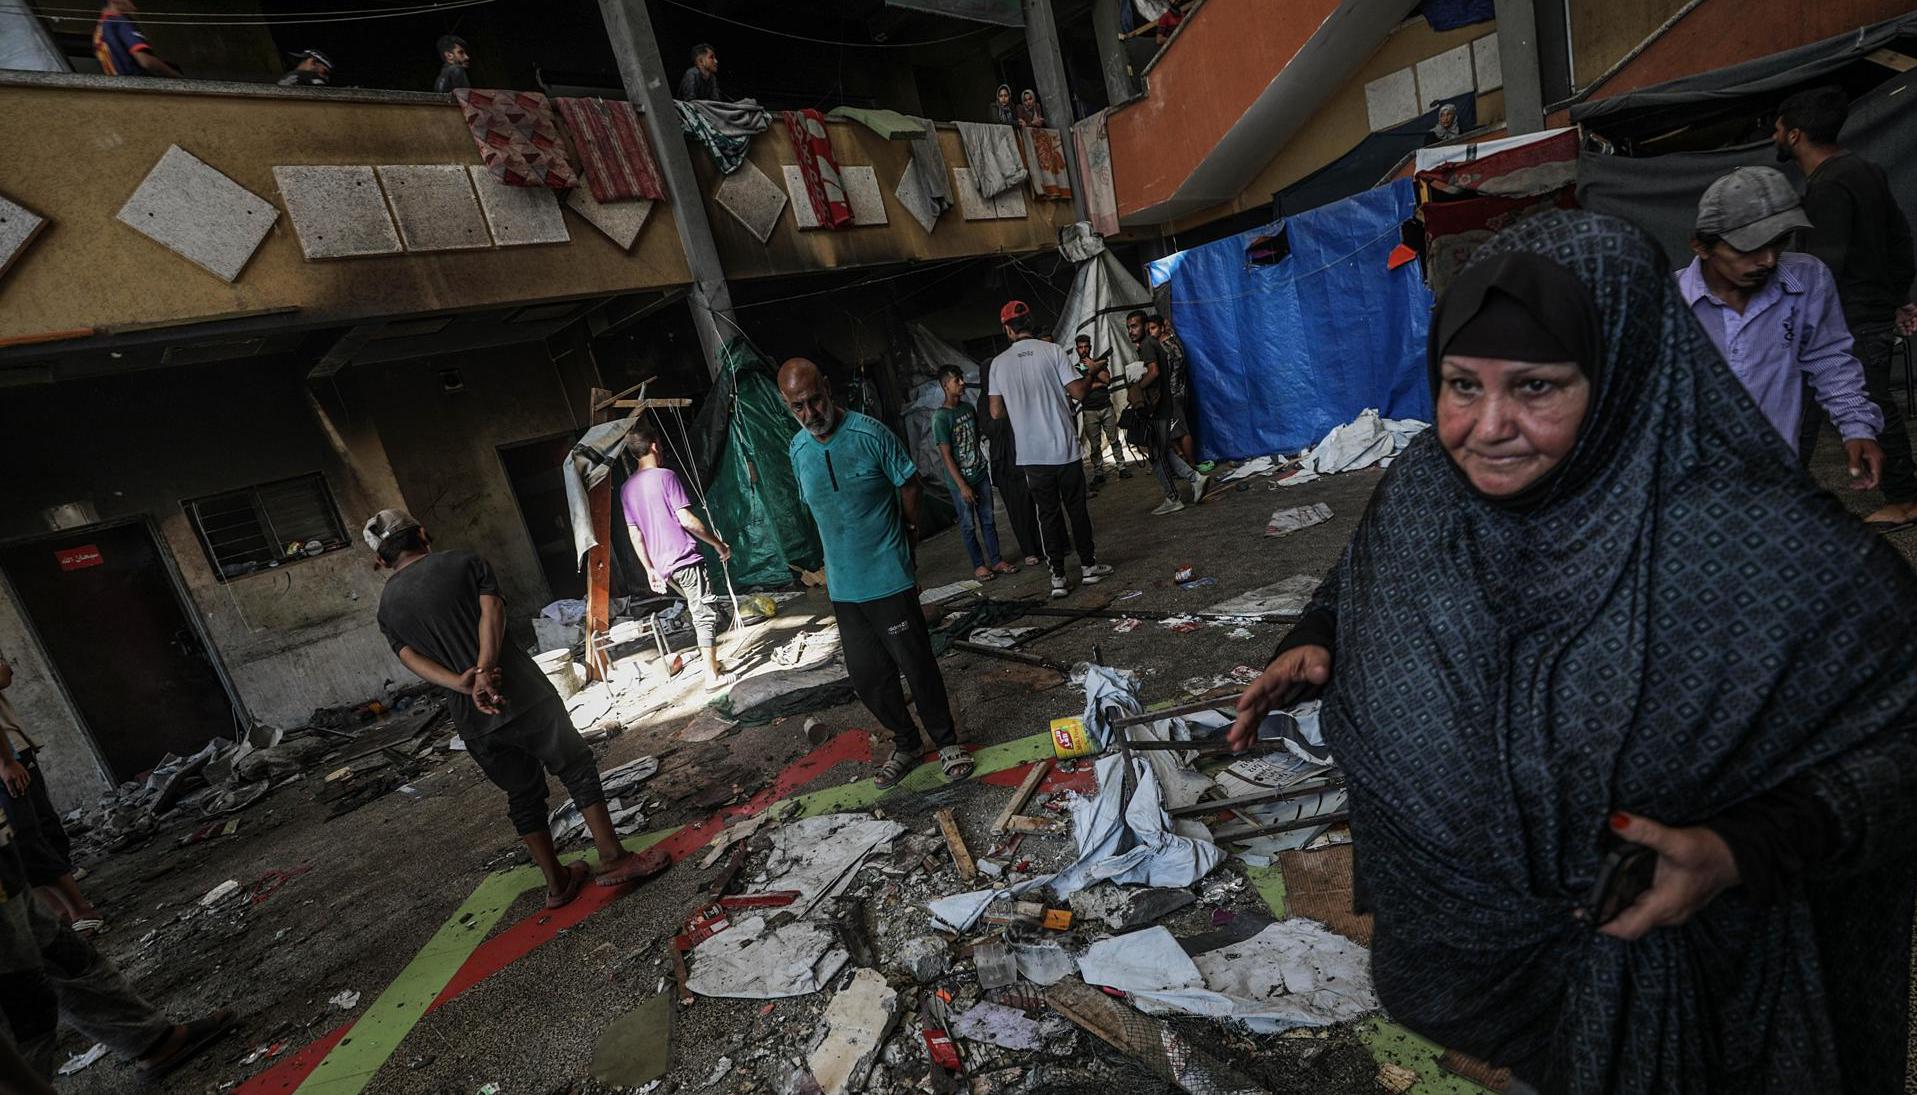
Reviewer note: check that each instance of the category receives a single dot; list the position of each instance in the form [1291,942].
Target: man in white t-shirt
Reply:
[1032,383]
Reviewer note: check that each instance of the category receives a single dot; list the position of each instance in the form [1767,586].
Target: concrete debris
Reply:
[857,1022]
[1124,908]
[925,957]
[818,856]
[1396,1079]
[345,999]
[1006,1028]
[81,1060]
[219,893]
[567,822]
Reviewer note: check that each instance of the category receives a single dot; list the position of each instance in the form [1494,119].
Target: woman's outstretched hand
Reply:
[1290,676]
[1694,865]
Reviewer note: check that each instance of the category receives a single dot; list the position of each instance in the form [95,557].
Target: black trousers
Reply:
[883,640]
[42,840]
[1872,344]
[1010,481]
[517,756]
[1059,491]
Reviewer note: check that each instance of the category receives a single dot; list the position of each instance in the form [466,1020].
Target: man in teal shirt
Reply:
[864,493]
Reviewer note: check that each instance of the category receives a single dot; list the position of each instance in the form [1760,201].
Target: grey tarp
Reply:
[1660,193]
[1102,292]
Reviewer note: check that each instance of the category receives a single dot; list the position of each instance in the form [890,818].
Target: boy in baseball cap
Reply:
[1774,314]
[444,616]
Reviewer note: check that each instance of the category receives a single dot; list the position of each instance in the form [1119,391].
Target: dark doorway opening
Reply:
[103,602]
[532,469]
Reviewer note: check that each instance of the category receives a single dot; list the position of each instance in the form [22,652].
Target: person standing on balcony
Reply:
[1003,112]
[701,81]
[1859,232]
[445,619]
[315,69]
[1032,384]
[121,48]
[1029,114]
[453,63]
[1447,127]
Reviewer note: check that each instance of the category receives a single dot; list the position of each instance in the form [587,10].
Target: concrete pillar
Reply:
[1048,69]
[1518,59]
[649,87]
[1112,56]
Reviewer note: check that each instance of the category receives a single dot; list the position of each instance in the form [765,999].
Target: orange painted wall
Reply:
[1719,33]
[1223,58]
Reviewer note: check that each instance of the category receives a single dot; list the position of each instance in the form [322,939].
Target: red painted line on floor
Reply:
[291,1072]
[514,943]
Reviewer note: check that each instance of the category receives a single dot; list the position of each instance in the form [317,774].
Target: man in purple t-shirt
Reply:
[664,531]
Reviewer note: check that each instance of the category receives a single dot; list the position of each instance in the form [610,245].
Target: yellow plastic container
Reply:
[1069,738]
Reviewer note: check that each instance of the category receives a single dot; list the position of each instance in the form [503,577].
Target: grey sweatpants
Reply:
[47,973]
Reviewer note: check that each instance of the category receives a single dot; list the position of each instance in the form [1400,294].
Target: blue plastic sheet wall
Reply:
[1280,354]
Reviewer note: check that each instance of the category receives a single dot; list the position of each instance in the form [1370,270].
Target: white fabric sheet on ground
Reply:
[1297,517]
[1359,443]
[991,151]
[1294,973]
[1113,693]
[1286,598]
[818,856]
[1258,465]
[960,911]
[1109,694]
[749,961]
[1135,843]
[941,594]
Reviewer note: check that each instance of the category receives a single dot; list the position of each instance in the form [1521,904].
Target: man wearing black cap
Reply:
[445,619]
[315,69]
[1859,232]
[453,62]
[1032,384]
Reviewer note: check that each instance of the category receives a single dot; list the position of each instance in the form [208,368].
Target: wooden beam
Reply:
[1037,826]
[599,565]
[1023,795]
[962,856]
[641,404]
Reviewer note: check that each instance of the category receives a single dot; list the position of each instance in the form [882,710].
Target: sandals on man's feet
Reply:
[200,1033]
[955,762]
[894,770]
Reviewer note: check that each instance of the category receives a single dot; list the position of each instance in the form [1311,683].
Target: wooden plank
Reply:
[1037,826]
[1891,59]
[599,567]
[1318,887]
[962,856]
[635,404]
[1022,796]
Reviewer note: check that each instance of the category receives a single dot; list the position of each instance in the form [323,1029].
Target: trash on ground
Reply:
[1198,583]
[1183,625]
[817,856]
[1286,598]
[220,893]
[567,822]
[856,1025]
[1297,517]
[1006,1028]
[345,999]
[1294,973]
[1366,440]
[752,961]
[636,1048]
[81,1060]
[1126,626]
[941,594]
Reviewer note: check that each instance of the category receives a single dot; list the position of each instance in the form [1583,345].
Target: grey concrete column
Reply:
[1048,67]
[629,28]
[1112,56]
[1518,58]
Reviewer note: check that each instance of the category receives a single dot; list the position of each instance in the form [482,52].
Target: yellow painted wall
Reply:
[1603,31]
[78,153]
[1342,122]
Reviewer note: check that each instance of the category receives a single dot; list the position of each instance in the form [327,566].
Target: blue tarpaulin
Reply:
[1280,354]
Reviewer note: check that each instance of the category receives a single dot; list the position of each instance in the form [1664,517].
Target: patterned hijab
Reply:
[1681,622]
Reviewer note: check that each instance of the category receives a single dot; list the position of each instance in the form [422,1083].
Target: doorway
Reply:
[107,612]
[532,471]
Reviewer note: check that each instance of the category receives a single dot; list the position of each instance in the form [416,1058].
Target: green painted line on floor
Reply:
[387,1021]
[1392,1044]
[1270,884]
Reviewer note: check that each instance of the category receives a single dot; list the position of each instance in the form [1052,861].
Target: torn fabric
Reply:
[824,188]
[991,151]
[926,188]
[584,468]
[1132,842]
[1095,162]
[1297,517]
[1366,440]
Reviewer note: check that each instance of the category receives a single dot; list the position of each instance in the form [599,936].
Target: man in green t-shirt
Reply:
[864,493]
[955,431]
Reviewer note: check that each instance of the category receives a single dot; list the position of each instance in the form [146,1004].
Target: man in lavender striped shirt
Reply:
[1775,316]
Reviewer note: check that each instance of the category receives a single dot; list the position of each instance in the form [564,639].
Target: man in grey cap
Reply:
[315,69]
[1775,314]
[444,616]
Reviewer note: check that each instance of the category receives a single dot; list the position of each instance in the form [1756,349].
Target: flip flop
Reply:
[576,875]
[89,927]
[633,868]
[955,762]
[200,1033]
[894,770]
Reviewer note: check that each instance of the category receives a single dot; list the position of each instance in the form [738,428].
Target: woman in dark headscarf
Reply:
[1004,112]
[1597,604]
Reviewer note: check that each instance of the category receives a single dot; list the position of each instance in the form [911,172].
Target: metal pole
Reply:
[1518,61]
[1113,57]
[1048,67]
[629,29]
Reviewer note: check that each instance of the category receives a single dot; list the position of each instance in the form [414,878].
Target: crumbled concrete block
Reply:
[856,1024]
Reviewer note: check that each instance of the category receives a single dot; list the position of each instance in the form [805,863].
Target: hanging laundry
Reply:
[925,189]
[613,151]
[1045,160]
[725,129]
[992,153]
[823,186]
[1095,160]
[517,137]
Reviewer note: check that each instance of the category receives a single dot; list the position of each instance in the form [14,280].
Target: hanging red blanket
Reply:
[823,187]
[614,154]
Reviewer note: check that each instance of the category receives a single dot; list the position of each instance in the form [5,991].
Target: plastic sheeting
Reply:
[744,433]
[1102,292]
[1294,973]
[1281,354]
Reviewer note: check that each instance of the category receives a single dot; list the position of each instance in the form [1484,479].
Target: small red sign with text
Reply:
[79,558]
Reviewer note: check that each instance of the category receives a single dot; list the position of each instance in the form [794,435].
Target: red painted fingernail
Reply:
[1620,819]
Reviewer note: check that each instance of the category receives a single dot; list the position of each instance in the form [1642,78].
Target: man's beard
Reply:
[821,427]
[1784,153]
